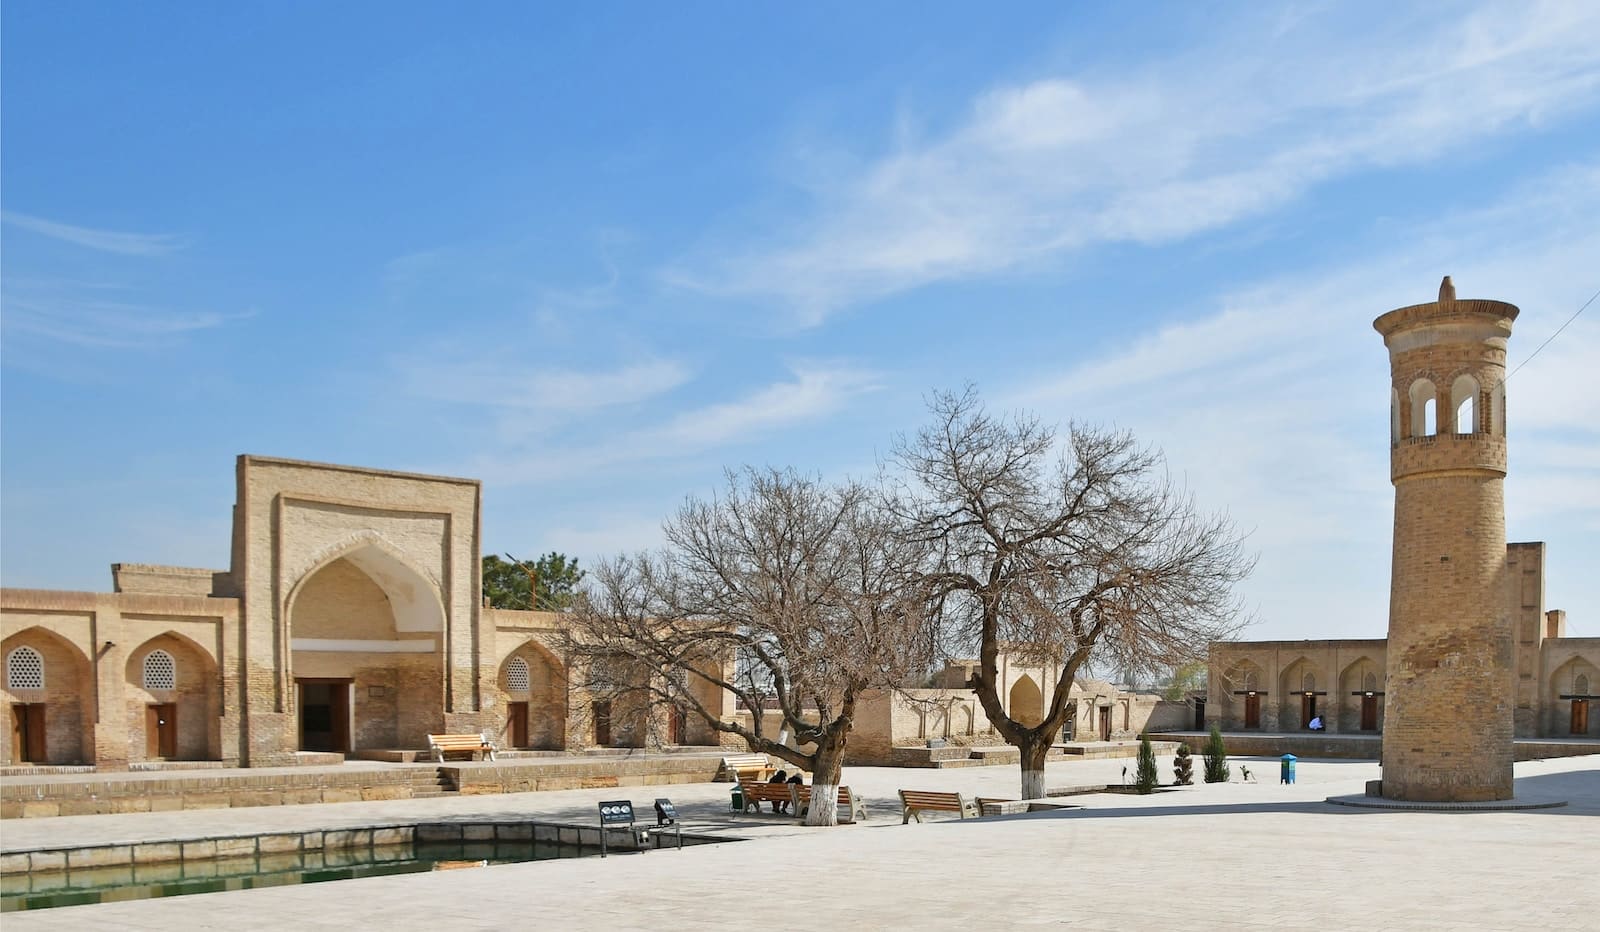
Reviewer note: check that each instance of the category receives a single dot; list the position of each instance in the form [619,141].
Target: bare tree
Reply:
[791,595]
[1061,555]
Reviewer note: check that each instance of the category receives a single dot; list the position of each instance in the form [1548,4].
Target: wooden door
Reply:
[517,723]
[1580,716]
[161,731]
[602,724]
[1199,715]
[1369,713]
[1105,723]
[1308,710]
[677,724]
[1252,711]
[27,733]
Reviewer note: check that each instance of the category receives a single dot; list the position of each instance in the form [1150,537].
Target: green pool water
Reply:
[47,889]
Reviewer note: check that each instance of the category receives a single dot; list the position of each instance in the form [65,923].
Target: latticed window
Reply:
[24,669]
[517,675]
[1370,684]
[160,672]
[1580,685]
[1309,683]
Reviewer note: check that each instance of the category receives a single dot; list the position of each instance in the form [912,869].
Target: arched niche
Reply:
[536,706]
[53,723]
[1026,704]
[1295,707]
[1359,711]
[176,719]
[366,633]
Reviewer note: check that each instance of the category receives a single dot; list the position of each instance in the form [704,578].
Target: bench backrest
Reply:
[930,799]
[803,794]
[458,742]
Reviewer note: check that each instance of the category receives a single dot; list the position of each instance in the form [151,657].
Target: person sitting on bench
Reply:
[779,777]
[799,779]
[1316,723]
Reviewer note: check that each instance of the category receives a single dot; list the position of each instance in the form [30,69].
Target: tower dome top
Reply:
[1448,309]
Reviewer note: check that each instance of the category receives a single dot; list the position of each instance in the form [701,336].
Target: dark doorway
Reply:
[602,724]
[1252,711]
[27,732]
[161,731]
[1580,716]
[517,723]
[1105,723]
[325,715]
[1369,713]
[677,725]
[1308,710]
[1199,715]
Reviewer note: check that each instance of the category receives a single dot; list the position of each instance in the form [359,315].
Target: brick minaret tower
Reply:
[1448,708]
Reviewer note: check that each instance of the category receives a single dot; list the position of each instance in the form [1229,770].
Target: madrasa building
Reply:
[350,622]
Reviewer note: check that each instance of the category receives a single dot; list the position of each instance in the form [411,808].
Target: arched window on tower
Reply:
[1394,415]
[1497,410]
[1424,408]
[1464,402]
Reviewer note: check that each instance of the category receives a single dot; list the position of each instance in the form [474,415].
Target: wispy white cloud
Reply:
[1192,143]
[529,386]
[88,322]
[814,391]
[124,243]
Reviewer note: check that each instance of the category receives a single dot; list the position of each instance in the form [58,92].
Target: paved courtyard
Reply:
[1236,856]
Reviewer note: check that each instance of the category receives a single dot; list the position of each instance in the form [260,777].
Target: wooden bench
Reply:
[851,806]
[756,792]
[739,767]
[916,802]
[441,745]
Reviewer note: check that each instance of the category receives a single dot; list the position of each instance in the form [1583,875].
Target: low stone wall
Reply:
[528,776]
[1353,747]
[96,794]
[24,799]
[1308,744]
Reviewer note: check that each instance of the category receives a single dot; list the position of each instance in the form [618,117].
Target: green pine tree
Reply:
[1145,778]
[1217,770]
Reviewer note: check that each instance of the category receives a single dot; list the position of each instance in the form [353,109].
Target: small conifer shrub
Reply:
[1145,778]
[1183,767]
[1217,770]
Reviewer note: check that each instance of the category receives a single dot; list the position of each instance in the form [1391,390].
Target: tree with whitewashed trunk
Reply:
[1059,554]
[792,595]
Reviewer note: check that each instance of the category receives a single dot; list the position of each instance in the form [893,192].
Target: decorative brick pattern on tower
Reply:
[1450,694]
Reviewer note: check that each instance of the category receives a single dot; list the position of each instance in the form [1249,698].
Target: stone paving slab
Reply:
[1237,856]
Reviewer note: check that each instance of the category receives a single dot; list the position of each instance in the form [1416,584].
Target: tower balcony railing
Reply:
[1432,452]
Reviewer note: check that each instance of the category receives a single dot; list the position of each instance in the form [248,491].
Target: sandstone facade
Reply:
[349,620]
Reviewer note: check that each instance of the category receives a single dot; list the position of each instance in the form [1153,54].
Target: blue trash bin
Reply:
[1286,770]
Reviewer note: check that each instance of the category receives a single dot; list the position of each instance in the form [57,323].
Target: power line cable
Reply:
[1551,337]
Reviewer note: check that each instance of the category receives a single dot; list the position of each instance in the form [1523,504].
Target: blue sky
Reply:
[593,257]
